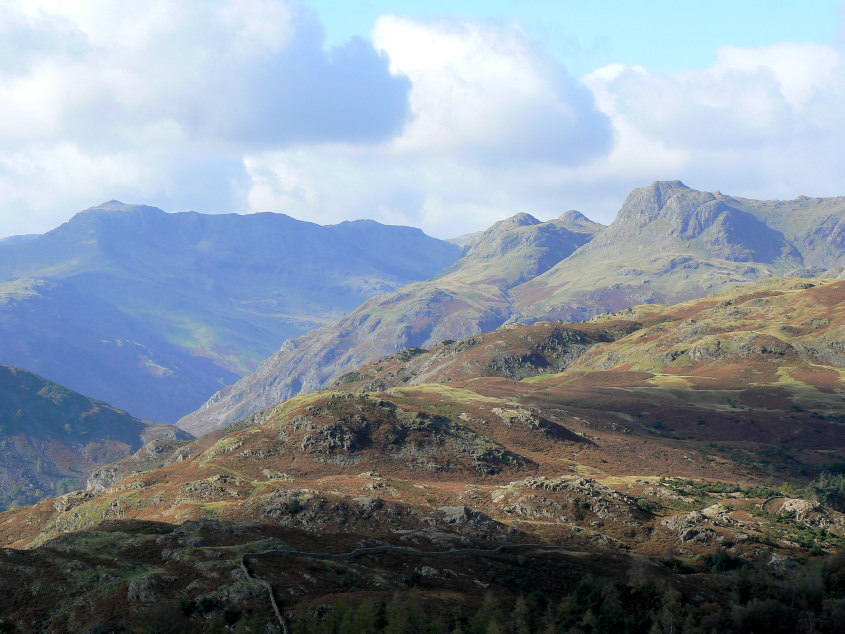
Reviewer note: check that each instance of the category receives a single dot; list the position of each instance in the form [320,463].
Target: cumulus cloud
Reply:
[235,105]
[762,121]
[120,92]
[494,121]
[498,128]
[489,94]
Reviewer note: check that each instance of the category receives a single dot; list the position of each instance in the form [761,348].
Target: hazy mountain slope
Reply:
[204,298]
[83,342]
[669,243]
[18,239]
[51,437]
[468,298]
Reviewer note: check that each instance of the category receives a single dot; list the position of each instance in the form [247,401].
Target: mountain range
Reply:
[153,312]
[668,243]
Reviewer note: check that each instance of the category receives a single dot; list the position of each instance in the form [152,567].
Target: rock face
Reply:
[668,243]
[513,352]
[157,452]
[346,430]
[154,312]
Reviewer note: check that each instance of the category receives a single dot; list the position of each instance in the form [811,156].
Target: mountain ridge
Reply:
[206,296]
[469,297]
[669,243]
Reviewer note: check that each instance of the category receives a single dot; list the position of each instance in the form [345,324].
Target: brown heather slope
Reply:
[655,440]
[668,243]
[663,400]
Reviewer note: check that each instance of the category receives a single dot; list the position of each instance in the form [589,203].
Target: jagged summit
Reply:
[521,219]
[518,248]
[644,204]
[572,215]
[575,221]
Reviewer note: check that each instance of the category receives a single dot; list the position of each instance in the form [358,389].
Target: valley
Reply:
[422,317]
[153,312]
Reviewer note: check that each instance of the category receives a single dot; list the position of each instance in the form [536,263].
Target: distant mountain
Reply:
[18,239]
[668,243]
[470,297]
[52,437]
[154,311]
[464,239]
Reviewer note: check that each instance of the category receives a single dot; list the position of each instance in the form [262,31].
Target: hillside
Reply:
[168,308]
[649,446]
[668,243]
[470,297]
[52,437]
[645,392]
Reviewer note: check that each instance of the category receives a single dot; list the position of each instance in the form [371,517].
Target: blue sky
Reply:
[447,116]
[663,35]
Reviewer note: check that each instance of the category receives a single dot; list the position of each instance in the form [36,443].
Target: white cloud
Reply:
[762,121]
[234,105]
[494,123]
[487,93]
[181,88]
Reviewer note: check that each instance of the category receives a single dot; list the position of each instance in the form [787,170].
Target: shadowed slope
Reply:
[51,437]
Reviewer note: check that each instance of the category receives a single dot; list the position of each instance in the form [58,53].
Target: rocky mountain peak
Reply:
[521,219]
[573,215]
[577,222]
[644,204]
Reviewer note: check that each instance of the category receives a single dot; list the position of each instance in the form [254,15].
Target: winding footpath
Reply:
[379,550]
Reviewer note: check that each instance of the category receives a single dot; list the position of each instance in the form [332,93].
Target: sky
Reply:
[446,116]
